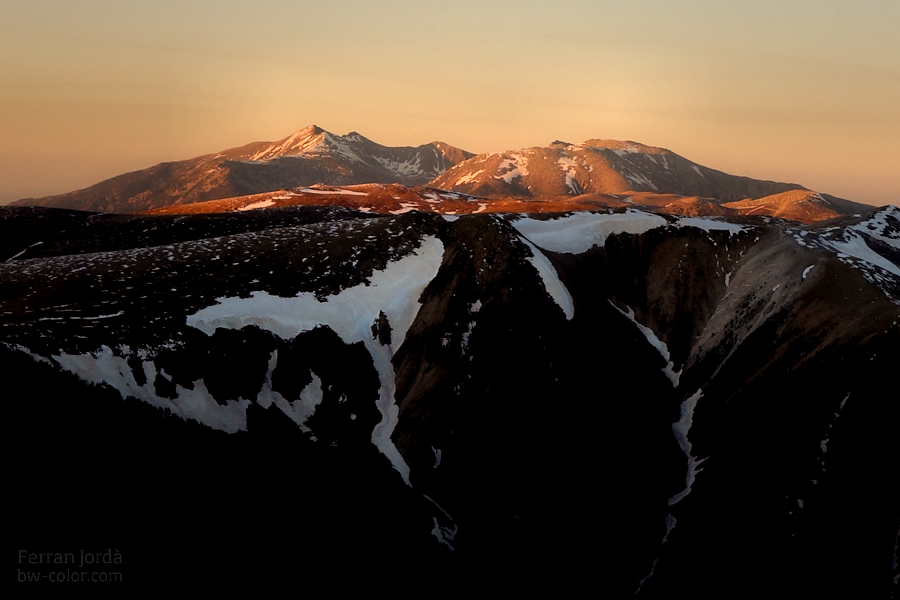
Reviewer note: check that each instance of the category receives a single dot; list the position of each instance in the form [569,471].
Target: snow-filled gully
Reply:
[680,428]
[669,370]
[577,233]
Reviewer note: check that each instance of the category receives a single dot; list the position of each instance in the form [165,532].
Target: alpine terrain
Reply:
[312,163]
[593,367]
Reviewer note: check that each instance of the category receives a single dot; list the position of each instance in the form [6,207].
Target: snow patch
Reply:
[443,533]
[299,410]
[568,167]
[681,428]
[469,178]
[513,165]
[855,246]
[581,231]
[260,204]
[338,192]
[405,208]
[657,343]
[350,313]
[411,166]
[640,179]
[104,367]
[710,225]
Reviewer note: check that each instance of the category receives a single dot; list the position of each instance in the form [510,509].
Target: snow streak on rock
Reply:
[657,343]
[394,291]
[670,525]
[552,284]
[299,410]
[710,225]
[681,428]
[444,533]
[514,164]
[823,444]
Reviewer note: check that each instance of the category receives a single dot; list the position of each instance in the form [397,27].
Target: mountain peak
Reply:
[310,130]
[627,146]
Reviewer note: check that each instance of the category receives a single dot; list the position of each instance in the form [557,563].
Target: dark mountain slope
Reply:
[548,388]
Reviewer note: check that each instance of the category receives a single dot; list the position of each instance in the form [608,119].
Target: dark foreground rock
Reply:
[616,400]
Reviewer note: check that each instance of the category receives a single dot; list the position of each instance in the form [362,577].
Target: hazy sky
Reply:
[789,90]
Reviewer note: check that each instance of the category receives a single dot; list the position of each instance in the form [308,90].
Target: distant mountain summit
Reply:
[309,156]
[598,167]
[609,172]
[594,174]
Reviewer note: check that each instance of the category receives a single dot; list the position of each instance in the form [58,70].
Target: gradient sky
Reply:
[789,90]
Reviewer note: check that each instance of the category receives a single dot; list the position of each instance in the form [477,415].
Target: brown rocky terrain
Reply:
[798,205]
[395,198]
[611,172]
[313,166]
[384,199]
[311,155]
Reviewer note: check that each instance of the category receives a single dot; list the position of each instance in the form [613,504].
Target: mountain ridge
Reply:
[594,173]
[308,156]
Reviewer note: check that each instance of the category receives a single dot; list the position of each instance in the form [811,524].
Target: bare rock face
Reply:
[647,404]
[309,156]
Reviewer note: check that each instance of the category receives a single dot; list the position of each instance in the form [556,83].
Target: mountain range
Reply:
[561,176]
[582,367]
[308,156]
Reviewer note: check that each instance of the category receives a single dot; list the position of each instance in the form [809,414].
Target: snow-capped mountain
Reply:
[309,156]
[649,404]
[641,174]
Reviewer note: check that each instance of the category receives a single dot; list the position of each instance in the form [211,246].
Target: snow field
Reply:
[581,231]
[197,404]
